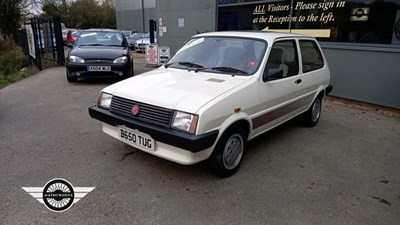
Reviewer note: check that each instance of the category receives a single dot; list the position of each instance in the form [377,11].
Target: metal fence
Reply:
[43,40]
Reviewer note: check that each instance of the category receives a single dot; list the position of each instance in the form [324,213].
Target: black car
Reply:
[99,53]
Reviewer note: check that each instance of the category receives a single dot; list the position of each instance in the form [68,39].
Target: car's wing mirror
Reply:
[69,45]
[272,74]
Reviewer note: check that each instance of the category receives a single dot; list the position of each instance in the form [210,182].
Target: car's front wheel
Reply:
[312,115]
[131,74]
[71,79]
[228,153]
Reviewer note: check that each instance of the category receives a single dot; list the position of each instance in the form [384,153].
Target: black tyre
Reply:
[71,79]
[126,76]
[228,153]
[132,73]
[311,117]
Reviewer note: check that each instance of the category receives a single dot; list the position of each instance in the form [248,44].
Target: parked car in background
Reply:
[140,44]
[99,53]
[72,36]
[65,34]
[217,92]
[133,38]
[128,33]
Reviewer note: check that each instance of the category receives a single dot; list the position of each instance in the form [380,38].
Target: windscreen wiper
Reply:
[225,69]
[188,64]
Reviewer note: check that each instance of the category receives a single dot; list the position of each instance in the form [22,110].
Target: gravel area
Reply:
[364,106]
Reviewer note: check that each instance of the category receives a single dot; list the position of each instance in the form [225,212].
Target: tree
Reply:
[108,14]
[73,13]
[50,8]
[82,13]
[10,14]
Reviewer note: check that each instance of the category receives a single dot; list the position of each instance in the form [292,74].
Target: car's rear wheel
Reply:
[228,153]
[312,115]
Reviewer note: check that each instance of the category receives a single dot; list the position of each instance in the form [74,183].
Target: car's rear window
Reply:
[311,56]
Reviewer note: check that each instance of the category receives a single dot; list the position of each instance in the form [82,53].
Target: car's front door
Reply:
[280,91]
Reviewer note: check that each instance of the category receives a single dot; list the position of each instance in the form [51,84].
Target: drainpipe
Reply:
[144,26]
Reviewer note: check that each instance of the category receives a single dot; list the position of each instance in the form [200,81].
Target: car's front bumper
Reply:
[140,47]
[81,70]
[173,145]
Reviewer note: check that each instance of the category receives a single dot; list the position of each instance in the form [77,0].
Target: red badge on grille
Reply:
[135,110]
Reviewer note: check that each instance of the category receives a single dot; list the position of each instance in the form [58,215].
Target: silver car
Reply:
[133,38]
[140,45]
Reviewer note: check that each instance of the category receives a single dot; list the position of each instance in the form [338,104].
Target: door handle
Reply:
[298,81]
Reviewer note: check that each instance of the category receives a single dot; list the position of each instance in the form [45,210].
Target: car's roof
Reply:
[266,35]
[101,29]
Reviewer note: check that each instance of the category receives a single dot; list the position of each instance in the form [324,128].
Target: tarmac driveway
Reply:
[345,170]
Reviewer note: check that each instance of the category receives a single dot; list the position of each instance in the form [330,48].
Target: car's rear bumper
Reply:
[184,141]
[329,89]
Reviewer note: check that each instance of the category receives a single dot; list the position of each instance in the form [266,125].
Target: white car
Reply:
[217,92]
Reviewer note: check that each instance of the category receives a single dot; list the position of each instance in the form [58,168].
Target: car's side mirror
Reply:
[272,74]
[69,45]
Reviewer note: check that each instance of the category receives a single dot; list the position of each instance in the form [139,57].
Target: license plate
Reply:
[136,138]
[99,68]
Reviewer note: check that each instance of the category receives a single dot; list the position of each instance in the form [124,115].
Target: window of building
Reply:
[356,21]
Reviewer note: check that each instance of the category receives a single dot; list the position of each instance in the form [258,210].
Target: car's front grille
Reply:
[148,113]
[98,61]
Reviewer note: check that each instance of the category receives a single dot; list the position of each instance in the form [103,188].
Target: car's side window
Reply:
[311,56]
[284,56]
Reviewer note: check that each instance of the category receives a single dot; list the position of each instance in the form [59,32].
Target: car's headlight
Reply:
[75,59]
[185,121]
[104,100]
[122,59]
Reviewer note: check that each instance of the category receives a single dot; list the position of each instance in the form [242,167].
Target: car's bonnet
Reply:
[176,89]
[96,52]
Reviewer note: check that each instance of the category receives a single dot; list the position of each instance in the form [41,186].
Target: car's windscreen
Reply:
[126,33]
[75,33]
[100,38]
[238,56]
[137,35]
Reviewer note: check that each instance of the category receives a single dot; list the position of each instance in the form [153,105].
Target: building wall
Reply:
[129,14]
[198,16]
[367,73]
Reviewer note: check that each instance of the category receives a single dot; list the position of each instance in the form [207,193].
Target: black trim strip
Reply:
[277,113]
[189,142]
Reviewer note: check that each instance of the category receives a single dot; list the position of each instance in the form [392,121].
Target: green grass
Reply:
[17,76]
[13,63]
